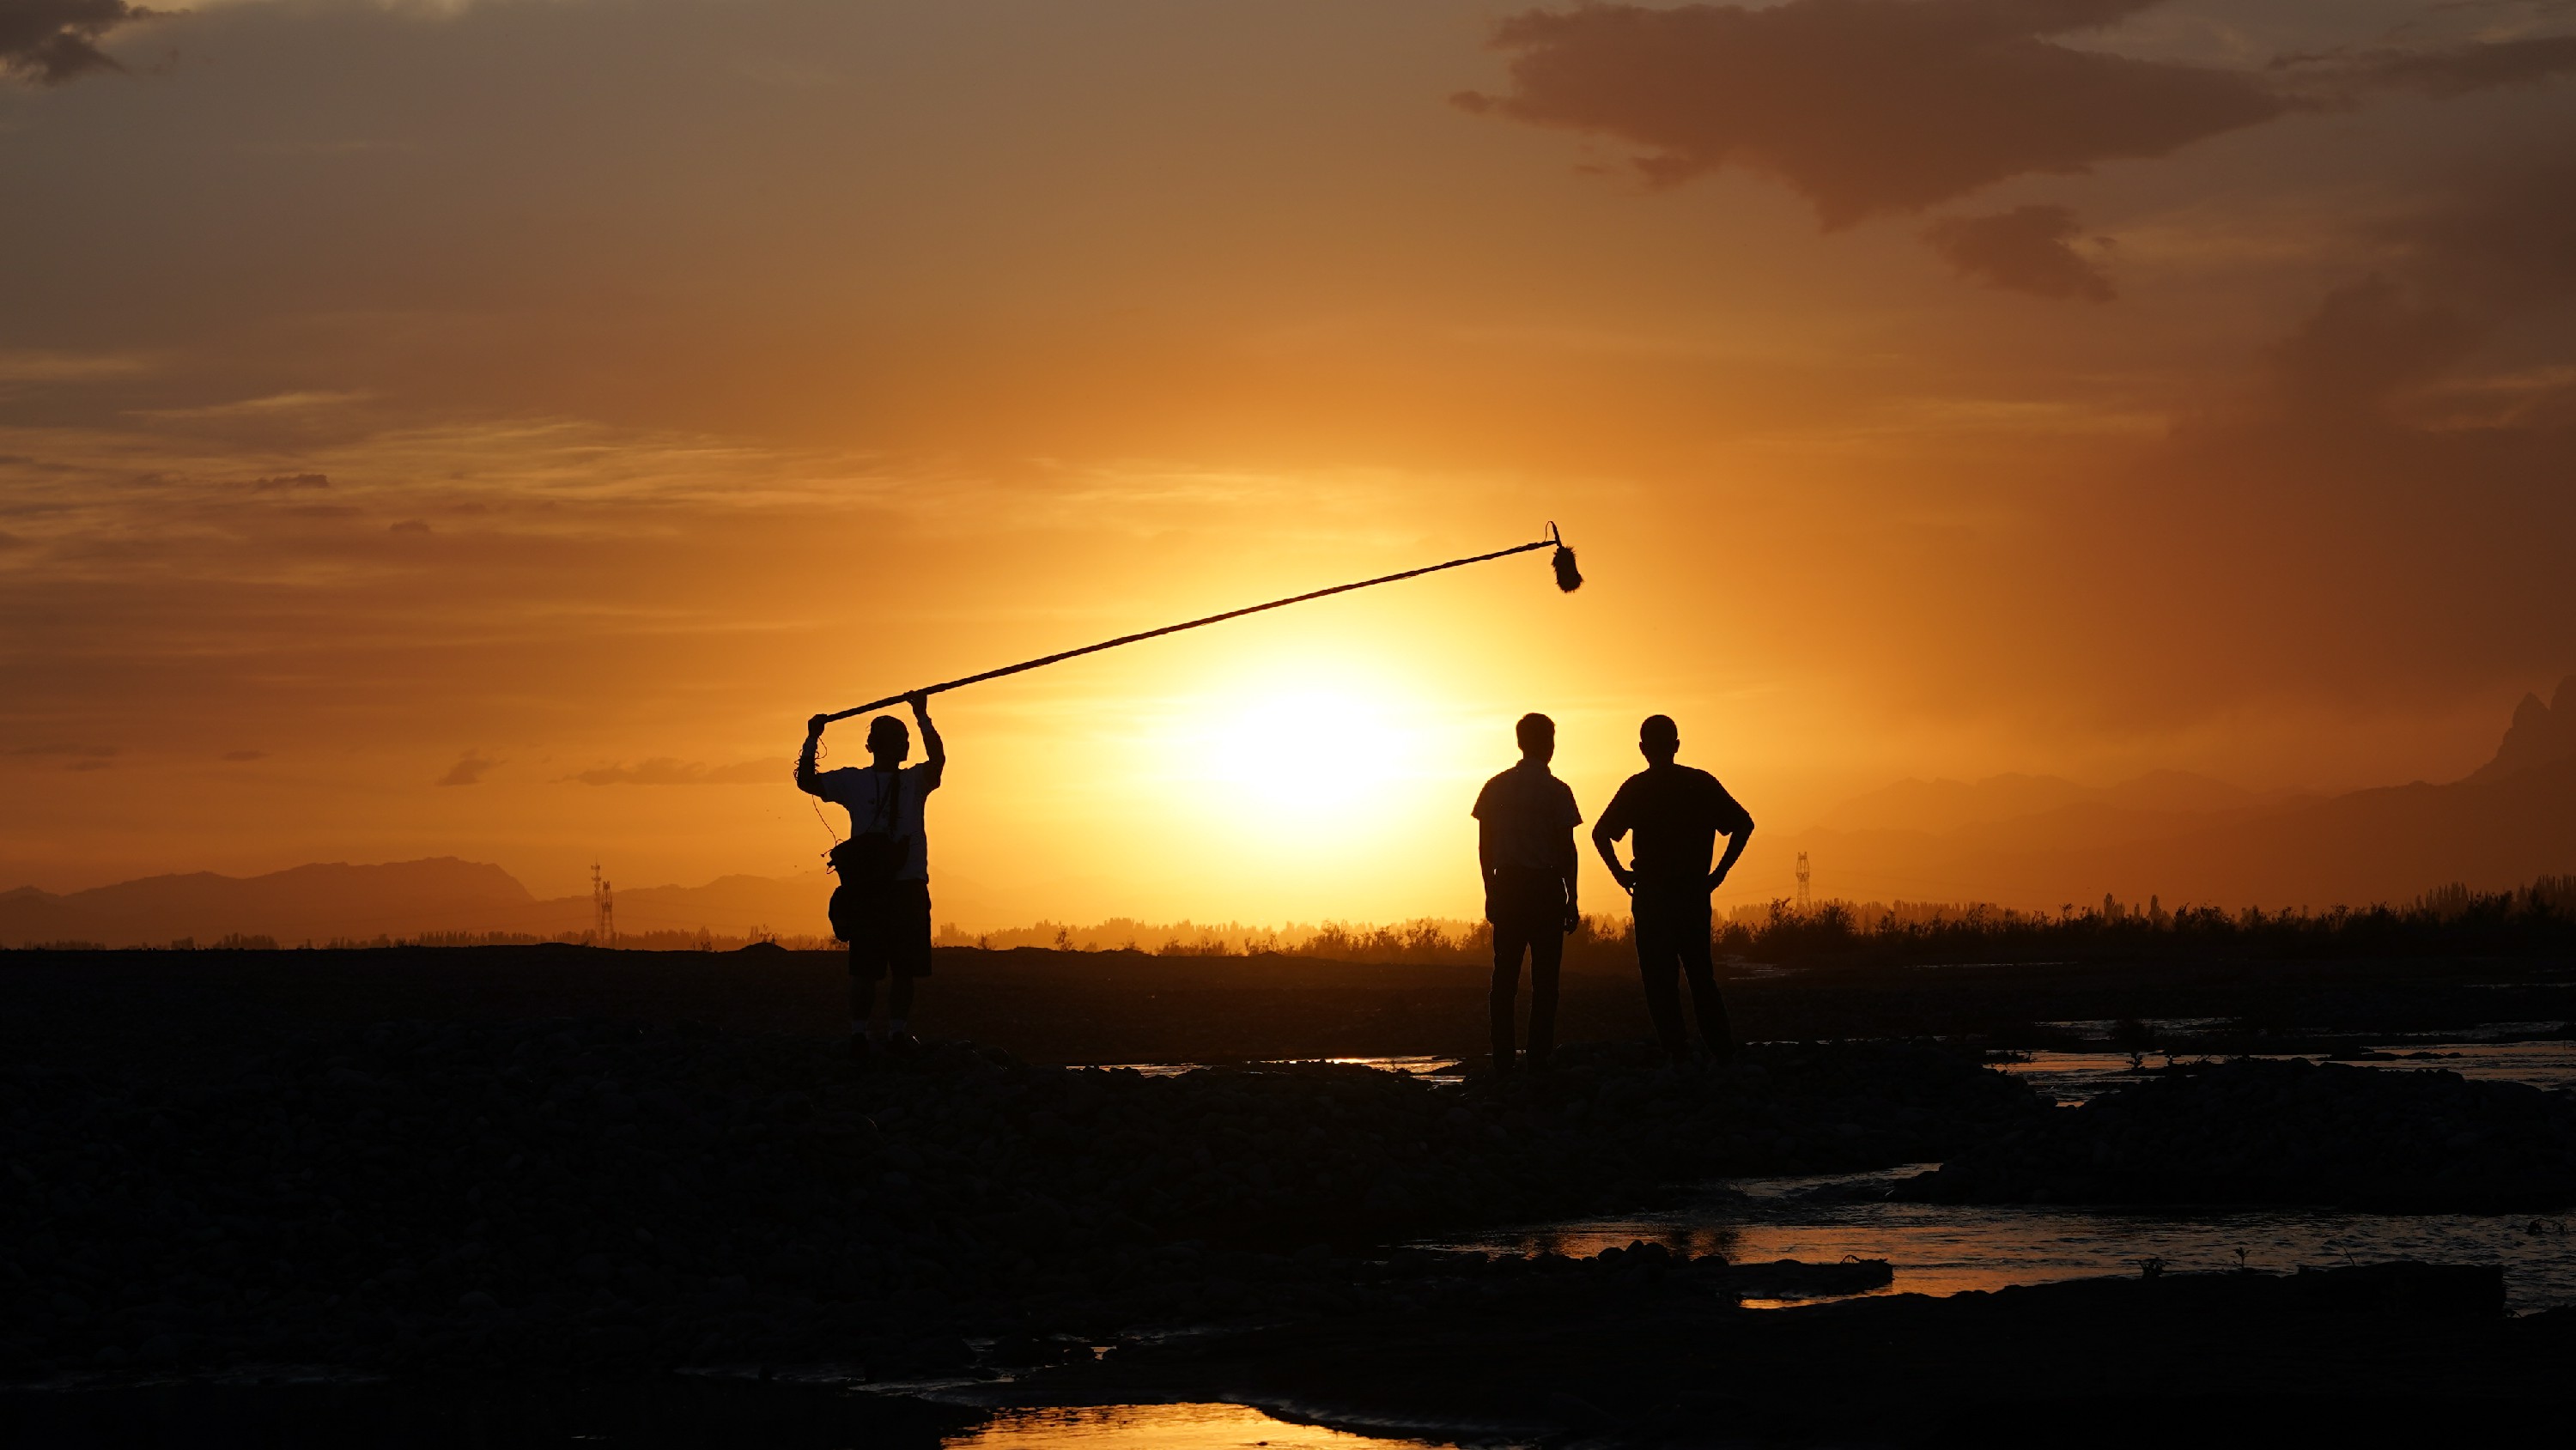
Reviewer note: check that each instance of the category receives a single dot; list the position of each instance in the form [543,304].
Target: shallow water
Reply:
[1157,1427]
[2075,1076]
[1947,1248]
[1425,1068]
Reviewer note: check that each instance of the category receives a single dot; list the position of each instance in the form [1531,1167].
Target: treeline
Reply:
[2533,920]
[2452,921]
[2538,919]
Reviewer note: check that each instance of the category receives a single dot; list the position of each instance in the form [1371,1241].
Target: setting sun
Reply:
[1300,757]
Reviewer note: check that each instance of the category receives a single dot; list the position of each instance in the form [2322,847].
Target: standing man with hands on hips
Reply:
[1677,814]
[882,906]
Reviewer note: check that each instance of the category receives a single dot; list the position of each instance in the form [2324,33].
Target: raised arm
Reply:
[806,780]
[934,750]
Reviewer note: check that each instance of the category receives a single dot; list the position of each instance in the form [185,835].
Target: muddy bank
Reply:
[1123,1007]
[546,1196]
[1632,1349]
[2253,1131]
[1657,1359]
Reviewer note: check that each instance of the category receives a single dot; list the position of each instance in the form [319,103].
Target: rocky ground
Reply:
[2374,1354]
[1109,1007]
[218,1177]
[2251,1131]
[555,1194]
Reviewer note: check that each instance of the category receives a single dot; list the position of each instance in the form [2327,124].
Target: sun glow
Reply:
[1284,767]
[1308,755]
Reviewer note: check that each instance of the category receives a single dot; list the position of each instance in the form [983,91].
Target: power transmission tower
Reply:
[603,909]
[1802,881]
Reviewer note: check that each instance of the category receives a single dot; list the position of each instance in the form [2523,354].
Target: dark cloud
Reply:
[2027,249]
[2446,73]
[409,526]
[2366,342]
[2505,233]
[468,769]
[53,41]
[667,771]
[1864,106]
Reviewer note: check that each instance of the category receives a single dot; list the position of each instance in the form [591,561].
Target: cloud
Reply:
[2027,249]
[1864,107]
[2444,73]
[24,365]
[408,526]
[468,769]
[2503,232]
[664,770]
[267,405]
[86,752]
[52,41]
[2367,341]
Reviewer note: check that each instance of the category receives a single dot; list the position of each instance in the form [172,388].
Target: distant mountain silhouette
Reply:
[2540,735]
[2383,845]
[403,898]
[2041,841]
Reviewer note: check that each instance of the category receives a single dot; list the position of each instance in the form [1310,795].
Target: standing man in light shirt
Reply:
[1525,820]
[882,906]
[1677,814]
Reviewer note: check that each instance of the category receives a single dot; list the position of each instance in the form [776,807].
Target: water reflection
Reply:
[1947,1248]
[1429,1069]
[2073,1077]
[1158,1427]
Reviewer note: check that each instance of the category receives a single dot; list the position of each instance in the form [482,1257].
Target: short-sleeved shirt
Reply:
[1677,813]
[1532,816]
[860,789]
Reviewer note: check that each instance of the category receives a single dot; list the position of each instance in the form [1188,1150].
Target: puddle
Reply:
[1947,1248]
[1421,1067]
[1159,1427]
[2072,1077]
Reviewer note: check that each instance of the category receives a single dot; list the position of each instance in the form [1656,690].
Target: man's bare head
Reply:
[889,739]
[1537,735]
[1659,739]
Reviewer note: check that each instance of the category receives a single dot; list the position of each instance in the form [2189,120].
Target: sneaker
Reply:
[902,1044]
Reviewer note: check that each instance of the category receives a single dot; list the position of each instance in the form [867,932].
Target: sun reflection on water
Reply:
[1158,1427]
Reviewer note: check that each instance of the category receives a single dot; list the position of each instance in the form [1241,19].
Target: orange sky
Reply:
[1933,387]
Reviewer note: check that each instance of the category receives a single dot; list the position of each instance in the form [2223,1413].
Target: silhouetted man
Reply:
[882,906]
[1677,814]
[1525,841]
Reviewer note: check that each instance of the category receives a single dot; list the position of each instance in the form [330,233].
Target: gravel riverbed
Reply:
[552,1195]
[2262,1131]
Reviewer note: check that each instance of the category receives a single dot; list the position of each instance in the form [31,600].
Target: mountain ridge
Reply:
[322,901]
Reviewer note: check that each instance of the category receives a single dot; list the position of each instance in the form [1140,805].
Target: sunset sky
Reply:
[489,428]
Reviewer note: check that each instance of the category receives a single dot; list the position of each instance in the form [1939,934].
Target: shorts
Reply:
[887,926]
